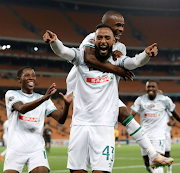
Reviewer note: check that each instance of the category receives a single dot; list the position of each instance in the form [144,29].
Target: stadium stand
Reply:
[26,24]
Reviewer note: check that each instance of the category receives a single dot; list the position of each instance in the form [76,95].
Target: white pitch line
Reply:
[121,167]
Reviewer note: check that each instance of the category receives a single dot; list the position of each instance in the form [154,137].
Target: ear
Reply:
[114,40]
[19,79]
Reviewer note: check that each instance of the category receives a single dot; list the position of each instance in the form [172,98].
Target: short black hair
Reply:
[20,71]
[109,14]
[102,25]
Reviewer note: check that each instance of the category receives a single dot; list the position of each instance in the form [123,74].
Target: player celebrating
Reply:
[5,135]
[116,21]
[26,112]
[92,118]
[153,116]
[168,134]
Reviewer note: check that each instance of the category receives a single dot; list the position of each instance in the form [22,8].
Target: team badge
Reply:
[11,98]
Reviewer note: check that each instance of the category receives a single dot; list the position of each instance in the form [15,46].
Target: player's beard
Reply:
[100,57]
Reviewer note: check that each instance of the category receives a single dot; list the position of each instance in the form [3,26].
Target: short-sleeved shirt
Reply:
[153,114]
[25,130]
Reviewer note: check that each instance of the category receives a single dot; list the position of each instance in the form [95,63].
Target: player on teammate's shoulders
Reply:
[26,111]
[94,80]
[153,108]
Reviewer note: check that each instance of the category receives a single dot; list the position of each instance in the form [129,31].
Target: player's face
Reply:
[104,40]
[116,22]
[151,89]
[28,80]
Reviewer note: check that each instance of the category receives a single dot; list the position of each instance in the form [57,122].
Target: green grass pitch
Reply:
[128,159]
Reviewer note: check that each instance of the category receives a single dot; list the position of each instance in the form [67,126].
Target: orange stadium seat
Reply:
[53,20]
[162,30]
[12,26]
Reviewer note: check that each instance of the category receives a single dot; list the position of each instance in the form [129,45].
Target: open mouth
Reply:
[103,50]
[31,84]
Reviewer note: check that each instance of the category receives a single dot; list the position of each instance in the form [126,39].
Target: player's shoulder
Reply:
[143,97]
[11,92]
[37,95]
[163,97]
[120,44]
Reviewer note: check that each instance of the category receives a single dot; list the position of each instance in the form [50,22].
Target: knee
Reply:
[123,114]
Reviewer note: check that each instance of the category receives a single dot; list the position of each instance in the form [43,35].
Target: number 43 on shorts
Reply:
[107,152]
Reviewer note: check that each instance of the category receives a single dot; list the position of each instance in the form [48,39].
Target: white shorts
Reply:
[168,142]
[159,146]
[15,161]
[93,145]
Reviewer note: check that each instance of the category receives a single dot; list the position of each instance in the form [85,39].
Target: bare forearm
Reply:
[24,108]
[63,115]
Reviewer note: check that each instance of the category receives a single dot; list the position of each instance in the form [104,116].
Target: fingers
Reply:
[152,45]
[49,37]
[152,50]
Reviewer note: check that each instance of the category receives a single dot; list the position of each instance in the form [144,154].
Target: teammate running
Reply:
[153,116]
[168,135]
[26,111]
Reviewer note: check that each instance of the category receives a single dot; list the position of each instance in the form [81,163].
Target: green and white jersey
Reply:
[88,41]
[153,114]
[25,130]
[95,99]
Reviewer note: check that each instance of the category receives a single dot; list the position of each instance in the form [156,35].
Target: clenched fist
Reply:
[152,50]
[49,37]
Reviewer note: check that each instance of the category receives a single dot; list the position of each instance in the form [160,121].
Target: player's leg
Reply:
[78,150]
[14,162]
[169,167]
[147,165]
[102,148]
[135,131]
[37,162]
[40,169]
[138,134]
[167,150]
[78,171]
[10,171]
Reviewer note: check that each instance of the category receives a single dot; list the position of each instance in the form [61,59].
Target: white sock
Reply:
[3,153]
[138,134]
[169,168]
[159,170]
[149,169]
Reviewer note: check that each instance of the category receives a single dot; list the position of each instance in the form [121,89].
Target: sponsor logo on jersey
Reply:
[152,115]
[151,106]
[11,98]
[30,119]
[91,41]
[99,80]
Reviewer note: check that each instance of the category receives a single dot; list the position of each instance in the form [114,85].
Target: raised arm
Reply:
[58,47]
[24,108]
[142,58]
[60,117]
[89,58]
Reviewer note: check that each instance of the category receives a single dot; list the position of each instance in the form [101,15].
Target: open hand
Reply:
[67,98]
